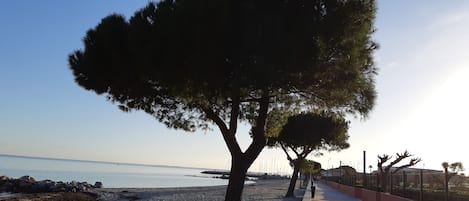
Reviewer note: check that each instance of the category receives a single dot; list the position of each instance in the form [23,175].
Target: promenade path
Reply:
[326,193]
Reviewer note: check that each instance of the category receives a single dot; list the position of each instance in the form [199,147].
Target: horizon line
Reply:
[103,162]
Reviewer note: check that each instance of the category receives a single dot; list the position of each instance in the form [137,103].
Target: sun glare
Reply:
[438,127]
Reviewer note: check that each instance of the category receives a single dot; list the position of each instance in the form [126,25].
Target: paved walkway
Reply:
[326,193]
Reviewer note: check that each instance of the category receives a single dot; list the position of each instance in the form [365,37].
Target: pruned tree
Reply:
[304,133]
[386,170]
[193,64]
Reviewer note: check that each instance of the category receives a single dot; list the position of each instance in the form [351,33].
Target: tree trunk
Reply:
[241,161]
[291,187]
[446,184]
[240,164]
[236,181]
[384,181]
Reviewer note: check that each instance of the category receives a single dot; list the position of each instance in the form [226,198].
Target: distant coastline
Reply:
[102,162]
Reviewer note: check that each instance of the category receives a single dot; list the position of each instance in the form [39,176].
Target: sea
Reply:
[112,175]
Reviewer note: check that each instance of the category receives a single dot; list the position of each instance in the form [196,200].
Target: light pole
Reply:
[340,172]
[370,177]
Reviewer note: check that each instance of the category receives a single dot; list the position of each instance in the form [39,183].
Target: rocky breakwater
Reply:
[27,184]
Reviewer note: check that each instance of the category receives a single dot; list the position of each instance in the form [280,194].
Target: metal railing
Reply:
[414,185]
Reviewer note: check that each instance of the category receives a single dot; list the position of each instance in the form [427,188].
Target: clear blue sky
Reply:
[422,92]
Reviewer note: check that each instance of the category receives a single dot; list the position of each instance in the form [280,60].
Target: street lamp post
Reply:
[340,172]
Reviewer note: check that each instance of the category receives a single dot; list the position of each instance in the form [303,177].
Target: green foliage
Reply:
[176,58]
[192,63]
[310,167]
[308,131]
[445,165]
[277,118]
[454,167]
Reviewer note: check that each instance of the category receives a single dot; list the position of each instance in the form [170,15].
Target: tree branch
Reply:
[307,150]
[258,138]
[234,114]
[399,158]
[286,152]
[229,138]
[412,162]
[382,160]
[298,155]
[307,95]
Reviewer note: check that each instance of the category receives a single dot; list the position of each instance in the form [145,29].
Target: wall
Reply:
[368,195]
[364,194]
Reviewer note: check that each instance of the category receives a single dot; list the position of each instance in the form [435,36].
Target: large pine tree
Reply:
[195,63]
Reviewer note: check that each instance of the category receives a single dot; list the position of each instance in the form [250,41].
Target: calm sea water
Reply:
[113,175]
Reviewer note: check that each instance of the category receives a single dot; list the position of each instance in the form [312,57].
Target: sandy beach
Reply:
[264,190]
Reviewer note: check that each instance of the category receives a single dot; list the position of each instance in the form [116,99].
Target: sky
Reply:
[422,88]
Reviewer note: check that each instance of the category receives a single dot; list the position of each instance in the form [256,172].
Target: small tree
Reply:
[305,133]
[385,171]
[455,168]
[309,168]
[457,178]
[191,64]
[445,166]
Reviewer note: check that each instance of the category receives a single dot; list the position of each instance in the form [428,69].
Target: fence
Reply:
[415,185]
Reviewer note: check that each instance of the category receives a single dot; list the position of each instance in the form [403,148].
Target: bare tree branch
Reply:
[411,163]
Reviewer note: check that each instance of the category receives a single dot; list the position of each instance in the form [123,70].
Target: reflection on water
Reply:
[113,175]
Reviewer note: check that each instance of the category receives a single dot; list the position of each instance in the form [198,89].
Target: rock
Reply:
[81,188]
[27,179]
[8,185]
[98,184]
[27,184]
[4,178]
[42,185]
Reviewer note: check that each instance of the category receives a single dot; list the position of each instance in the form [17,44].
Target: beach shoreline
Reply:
[264,190]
